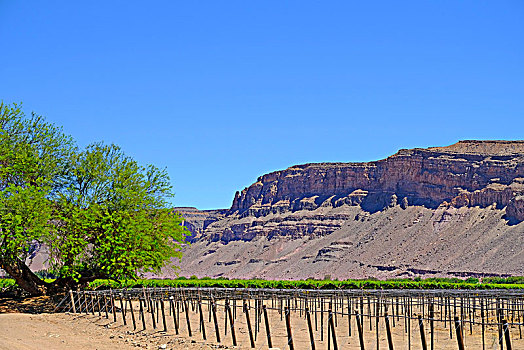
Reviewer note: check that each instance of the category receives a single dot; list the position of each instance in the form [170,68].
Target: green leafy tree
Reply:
[113,219]
[34,157]
[98,212]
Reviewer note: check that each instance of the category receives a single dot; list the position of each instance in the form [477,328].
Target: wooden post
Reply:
[349,317]
[105,306]
[321,319]
[152,310]
[388,330]
[122,310]
[142,314]
[255,308]
[288,327]
[163,314]
[395,311]
[362,312]
[202,325]
[145,298]
[449,317]
[209,313]
[482,320]
[458,330]
[499,321]
[123,304]
[408,317]
[113,307]
[73,306]
[132,313]
[329,329]
[369,314]
[84,303]
[98,305]
[422,335]
[178,304]
[157,307]
[226,304]
[335,312]
[310,328]
[268,332]
[175,321]
[377,320]
[248,321]
[92,304]
[231,323]
[431,323]
[256,317]
[360,331]
[186,308]
[519,320]
[506,334]
[332,326]
[217,330]
[315,303]
[469,315]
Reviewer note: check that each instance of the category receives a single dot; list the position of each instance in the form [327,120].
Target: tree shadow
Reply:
[29,305]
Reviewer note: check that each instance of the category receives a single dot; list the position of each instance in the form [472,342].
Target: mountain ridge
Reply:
[421,193]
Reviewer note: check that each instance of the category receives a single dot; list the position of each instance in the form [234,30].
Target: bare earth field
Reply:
[87,331]
[66,331]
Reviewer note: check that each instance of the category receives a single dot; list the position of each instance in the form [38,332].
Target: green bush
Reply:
[301,284]
[503,280]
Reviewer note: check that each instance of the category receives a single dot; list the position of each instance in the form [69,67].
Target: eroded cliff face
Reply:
[442,211]
[469,173]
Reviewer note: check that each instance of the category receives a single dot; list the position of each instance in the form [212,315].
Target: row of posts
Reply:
[106,303]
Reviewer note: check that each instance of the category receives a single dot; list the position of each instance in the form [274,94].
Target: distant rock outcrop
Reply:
[424,200]
[468,173]
[197,221]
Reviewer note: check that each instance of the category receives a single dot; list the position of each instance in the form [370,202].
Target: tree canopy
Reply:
[98,213]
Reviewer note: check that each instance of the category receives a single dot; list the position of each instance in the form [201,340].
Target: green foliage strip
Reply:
[299,284]
[8,284]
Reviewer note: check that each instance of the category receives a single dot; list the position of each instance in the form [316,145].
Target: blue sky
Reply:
[221,92]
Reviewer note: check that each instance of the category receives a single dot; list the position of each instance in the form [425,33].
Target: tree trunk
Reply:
[31,283]
[24,277]
[63,284]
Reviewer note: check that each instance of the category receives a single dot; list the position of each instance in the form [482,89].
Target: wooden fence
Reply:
[359,319]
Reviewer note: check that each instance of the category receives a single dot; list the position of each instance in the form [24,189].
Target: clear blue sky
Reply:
[220,92]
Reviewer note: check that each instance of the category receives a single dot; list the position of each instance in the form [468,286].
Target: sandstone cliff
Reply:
[455,210]
[469,173]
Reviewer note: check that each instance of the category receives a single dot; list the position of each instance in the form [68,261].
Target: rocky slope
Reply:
[197,221]
[443,211]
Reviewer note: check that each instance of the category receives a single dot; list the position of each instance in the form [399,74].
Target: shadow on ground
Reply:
[30,305]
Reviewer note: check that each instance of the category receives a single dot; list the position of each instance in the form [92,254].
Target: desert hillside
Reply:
[441,211]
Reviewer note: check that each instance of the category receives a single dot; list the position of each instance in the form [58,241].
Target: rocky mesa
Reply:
[440,211]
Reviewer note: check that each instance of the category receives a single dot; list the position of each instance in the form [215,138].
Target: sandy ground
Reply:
[67,331]
[54,331]
[88,331]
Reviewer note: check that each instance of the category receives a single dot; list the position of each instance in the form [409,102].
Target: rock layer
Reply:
[459,175]
[407,214]
[393,243]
